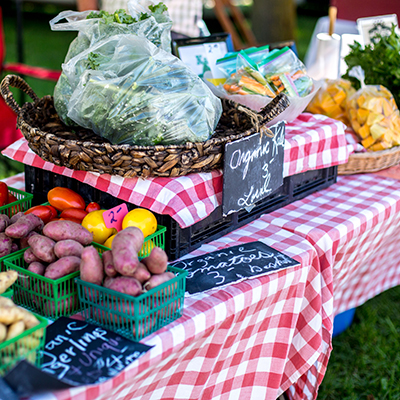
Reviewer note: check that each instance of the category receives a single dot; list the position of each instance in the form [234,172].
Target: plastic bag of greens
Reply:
[150,21]
[130,92]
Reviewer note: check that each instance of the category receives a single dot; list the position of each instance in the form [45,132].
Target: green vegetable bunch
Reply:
[380,62]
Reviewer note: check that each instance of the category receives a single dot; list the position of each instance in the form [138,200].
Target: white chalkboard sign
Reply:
[253,168]
[233,264]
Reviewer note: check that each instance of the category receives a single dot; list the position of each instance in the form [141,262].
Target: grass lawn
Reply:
[365,361]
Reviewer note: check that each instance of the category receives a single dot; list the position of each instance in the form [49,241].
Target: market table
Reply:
[254,339]
[354,228]
[251,340]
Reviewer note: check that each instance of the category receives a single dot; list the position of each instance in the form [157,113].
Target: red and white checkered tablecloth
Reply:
[252,340]
[355,227]
[312,142]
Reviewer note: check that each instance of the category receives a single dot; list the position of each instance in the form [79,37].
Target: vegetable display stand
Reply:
[51,298]
[81,149]
[28,345]
[134,317]
[23,202]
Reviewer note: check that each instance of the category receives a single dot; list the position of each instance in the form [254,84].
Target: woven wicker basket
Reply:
[81,149]
[370,161]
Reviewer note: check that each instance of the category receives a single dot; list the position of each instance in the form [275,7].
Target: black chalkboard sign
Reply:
[233,264]
[80,353]
[253,168]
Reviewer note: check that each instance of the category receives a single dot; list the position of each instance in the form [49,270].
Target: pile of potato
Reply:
[14,321]
[120,268]
[54,254]
[15,231]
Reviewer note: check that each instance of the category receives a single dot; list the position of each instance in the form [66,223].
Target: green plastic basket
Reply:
[134,317]
[28,345]
[8,293]
[52,298]
[23,203]
[157,239]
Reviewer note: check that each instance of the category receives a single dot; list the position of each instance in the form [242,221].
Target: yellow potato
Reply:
[9,315]
[3,332]
[29,319]
[15,329]
[29,342]
[7,278]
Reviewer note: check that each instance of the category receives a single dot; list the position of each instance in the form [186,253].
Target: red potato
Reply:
[124,284]
[108,264]
[16,217]
[37,267]
[157,280]
[68,247]
[142,274]
[5,244]
[62,267]
[157,261]
[24,225]
[91,266]
[145,327]
[4,222]
[116,311]
[29,256]
[125,247]
[14,247]
[61,307]
[23,242]
[63,230]
[42,247]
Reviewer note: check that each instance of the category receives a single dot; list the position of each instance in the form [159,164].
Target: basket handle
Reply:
[16,82]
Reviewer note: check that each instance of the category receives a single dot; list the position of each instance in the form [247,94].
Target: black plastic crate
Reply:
[180,241]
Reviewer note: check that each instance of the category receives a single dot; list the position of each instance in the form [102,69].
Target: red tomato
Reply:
[17,208]
[61,198]
[78,221]
[77,213]
[54,213]
[43,212]
[3,194]
[93,206]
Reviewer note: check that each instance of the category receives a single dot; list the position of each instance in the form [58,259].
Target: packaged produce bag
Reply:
[128,88]
[261,75]
[135,93]
[94,26]
[331,99]
[374,115]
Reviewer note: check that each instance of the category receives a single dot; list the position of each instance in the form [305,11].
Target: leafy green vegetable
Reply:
[380,62]
[93,60]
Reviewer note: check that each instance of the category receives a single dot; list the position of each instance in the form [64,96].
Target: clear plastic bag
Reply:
[93,27]
[129,91]
[285,72]
[331,99]
[229,64]
[374,115]
[247,79]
